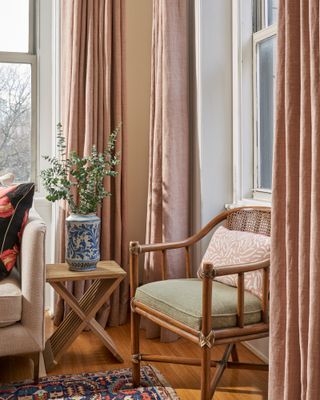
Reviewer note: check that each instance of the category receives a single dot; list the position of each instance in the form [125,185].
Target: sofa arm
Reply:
[32,266]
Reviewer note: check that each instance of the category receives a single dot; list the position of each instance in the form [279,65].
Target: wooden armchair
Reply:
[203,321]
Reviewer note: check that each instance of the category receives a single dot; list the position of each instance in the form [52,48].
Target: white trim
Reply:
[248,203]
[242,107]
[264,13]
[262,195]
[55,120]
[265,33]
[256,352]
[46,42]
[198,55]
[258,37]
[197,214]
[57,110]
[32,21]
[236,101]
[19,58]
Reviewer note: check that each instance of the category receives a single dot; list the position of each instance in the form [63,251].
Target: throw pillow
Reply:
[15,202]
[229,247]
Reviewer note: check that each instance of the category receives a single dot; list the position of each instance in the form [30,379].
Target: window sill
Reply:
[249,202]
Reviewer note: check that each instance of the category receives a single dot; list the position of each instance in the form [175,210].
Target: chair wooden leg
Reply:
[135,348]
[36,363]
[205,340]
[234,354]
[205,372]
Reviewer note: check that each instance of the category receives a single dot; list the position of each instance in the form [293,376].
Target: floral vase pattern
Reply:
[82,242]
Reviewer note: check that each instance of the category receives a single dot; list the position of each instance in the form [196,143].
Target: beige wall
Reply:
[138,73]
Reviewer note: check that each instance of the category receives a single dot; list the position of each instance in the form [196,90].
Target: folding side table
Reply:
[106,278]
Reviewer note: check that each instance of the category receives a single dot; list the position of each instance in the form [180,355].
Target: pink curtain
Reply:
[295,272]
[93,104]
[168,192]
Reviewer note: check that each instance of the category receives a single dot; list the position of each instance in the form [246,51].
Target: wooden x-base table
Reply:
[107,278]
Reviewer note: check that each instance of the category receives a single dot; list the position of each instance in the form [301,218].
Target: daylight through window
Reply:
[17,89]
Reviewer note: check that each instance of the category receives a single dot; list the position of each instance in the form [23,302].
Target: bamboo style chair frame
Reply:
[207,337]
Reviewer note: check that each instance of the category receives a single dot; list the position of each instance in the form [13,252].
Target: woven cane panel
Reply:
[249,220]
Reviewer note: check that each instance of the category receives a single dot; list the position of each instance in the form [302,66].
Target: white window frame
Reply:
[44,28]
[258,37]
[245,150]
[29,58]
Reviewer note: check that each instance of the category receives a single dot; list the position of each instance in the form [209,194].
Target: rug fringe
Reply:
[163,381]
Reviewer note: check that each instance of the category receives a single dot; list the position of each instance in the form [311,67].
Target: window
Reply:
[18,89]
[254,66]
[264,69]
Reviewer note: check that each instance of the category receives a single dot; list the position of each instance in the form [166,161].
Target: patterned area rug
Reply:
[115,384]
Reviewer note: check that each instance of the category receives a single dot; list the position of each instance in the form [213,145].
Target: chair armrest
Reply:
[240,268]
[146,248]
[209,272]
[32,265]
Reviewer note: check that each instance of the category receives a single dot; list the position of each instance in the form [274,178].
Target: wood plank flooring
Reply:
[88,354]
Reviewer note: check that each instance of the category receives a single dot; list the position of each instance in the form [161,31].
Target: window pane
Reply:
[272,11]
[266,84]
[14,25]
[15,120]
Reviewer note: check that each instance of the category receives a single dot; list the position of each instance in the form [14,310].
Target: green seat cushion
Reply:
[181,299]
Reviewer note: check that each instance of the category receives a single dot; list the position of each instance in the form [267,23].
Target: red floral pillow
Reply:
[15,202]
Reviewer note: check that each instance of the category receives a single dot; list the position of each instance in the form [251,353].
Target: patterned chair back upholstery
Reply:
[244,238]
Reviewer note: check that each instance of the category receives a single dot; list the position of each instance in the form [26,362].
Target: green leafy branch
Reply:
[80,181]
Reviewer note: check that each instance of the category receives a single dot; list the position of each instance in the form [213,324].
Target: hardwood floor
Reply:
[88,354]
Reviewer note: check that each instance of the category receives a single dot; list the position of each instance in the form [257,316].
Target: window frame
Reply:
[244,42]
[30,58]
[258,37]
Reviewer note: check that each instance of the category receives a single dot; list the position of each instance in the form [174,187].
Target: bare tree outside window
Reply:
[15,120]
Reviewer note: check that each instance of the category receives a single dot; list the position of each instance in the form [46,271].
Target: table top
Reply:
[105,270]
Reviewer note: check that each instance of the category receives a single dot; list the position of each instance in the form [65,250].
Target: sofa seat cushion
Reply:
[10,300]
[181,299]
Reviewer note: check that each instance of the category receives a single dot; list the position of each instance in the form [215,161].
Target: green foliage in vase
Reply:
[80,180]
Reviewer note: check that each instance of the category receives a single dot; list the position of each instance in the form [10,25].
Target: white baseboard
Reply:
[262,356]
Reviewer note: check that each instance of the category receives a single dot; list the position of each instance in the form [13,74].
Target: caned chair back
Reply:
[250,220]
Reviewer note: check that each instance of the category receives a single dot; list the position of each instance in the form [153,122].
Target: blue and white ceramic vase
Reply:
[82,242]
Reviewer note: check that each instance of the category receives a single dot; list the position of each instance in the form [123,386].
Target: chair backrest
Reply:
[243,238]
[250,220]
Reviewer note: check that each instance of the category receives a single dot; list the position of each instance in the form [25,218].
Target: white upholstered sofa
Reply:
[22,297]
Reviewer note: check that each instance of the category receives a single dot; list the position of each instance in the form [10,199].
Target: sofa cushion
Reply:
[10,299]
[181,299]
[229,247]
[15,202]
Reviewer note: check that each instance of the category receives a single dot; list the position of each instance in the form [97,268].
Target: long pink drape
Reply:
[92,104]
[168,192]
[295,265]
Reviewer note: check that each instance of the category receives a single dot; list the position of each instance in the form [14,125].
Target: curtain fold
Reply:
[169,174]
[93,104]
[295,256]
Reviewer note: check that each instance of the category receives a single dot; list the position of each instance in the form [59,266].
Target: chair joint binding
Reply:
[134,248]
[136,358]
[132,306]
[206,340]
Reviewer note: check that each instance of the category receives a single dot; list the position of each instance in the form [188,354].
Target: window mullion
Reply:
[19,58]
